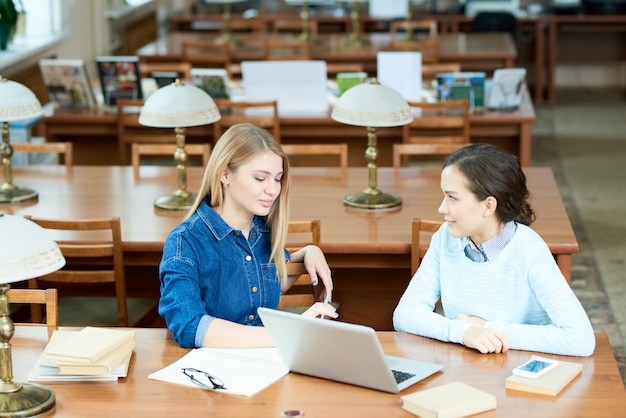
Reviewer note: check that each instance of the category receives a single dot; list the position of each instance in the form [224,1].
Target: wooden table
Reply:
[599,391]
[473,50]
[94,133]
[584,45]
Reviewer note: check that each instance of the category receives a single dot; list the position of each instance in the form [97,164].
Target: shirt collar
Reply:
[491,248]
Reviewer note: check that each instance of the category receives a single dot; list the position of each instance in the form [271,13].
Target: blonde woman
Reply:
[227,258]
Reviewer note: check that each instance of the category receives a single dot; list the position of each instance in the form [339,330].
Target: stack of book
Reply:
[91,354]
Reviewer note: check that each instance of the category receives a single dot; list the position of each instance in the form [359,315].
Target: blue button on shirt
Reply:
[209,270]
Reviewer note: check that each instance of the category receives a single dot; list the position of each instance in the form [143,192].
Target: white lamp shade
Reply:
[179,105]
[17,102]
[26,250]
[372,105]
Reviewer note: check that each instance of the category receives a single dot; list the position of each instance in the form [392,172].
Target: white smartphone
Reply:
[535,367]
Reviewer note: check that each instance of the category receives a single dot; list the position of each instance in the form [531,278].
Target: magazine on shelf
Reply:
[119,77]
[68,82]
[214,81]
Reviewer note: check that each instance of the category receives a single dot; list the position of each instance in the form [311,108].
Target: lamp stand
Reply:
[305,16]
[17,399]
[181,199]
[227,16]
[355,37]
[372,198]
[10,193]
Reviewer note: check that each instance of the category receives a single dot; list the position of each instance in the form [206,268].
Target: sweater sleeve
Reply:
[569,332]
[415,310]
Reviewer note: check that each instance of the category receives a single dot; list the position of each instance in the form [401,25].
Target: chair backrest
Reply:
[406,150]
[411,29]
[64,149]
[182,68]
[429,71]
[293,26]
[139,150]
[206,54]
[417,249]
[495,22]
[263,114]
[428,46]
[45,297]
[340,151]
[332,68]
[281,49]
[301,293]
[129,130]
[438,122]
[98,258]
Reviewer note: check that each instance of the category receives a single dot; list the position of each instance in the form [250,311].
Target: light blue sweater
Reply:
[522,293]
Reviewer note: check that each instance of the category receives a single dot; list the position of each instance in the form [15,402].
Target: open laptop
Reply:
[340,351]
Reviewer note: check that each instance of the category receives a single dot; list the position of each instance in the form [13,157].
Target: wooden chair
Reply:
[428,46]
[339,151]
[94,261]
[285,49]
[301,295]
[442,122]
[182,68]
[413,29]
[64,149]
[293,27]
[417,249]
[406,150]
[332,68]
[263,114]
[429,71]
[139,150]
[206,54]
[46,297]
[129,130]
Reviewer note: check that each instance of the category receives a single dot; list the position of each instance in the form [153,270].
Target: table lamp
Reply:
[227,17]
[355,37]
[17,102]
[305,17]
[28,253]
[372,105]
[178,106]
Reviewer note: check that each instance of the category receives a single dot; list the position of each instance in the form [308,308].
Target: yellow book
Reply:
[104,366]
[551,383]
[87,346]
[451,400]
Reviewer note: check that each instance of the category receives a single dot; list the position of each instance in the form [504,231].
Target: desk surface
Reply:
[317,193]
[453,47]
[599,391]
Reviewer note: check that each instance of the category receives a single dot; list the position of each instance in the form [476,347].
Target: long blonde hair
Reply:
[238,144]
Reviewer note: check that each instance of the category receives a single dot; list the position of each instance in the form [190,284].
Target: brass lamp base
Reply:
[16,194]
[179,200]
[372,199]
[29,400]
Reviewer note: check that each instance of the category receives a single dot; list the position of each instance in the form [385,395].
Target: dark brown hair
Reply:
[492,171]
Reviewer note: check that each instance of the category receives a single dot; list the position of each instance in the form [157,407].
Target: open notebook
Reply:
[340,351]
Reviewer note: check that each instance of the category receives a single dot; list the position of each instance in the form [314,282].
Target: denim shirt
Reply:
[209,270]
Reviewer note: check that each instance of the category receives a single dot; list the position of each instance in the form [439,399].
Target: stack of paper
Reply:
[244,371]
[91,354]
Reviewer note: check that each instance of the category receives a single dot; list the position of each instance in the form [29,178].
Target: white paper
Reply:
[243,371]
[402,71]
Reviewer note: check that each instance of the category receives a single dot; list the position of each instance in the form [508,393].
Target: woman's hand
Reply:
[317,267]
[321,309]
[485,340]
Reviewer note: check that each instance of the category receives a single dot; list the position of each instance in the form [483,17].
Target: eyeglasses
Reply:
[203,379]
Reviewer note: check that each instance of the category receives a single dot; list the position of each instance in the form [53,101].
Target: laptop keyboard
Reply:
[401,376]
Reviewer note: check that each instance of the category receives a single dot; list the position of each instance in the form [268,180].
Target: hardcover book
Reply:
[214,81]
[119,78]
[68,82]
[551,383]
[451,400]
